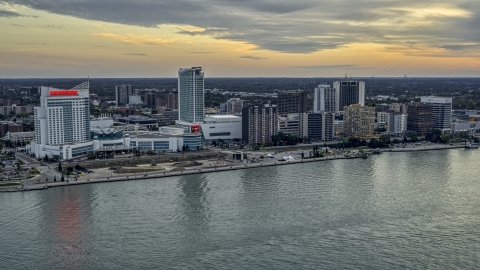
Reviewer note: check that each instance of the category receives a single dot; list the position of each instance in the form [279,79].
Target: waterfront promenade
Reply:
[265,162]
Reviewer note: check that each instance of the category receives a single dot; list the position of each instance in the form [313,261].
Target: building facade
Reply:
[222,127]
[191,95]
[382,117]
[122,94]
[324,99]
[442,112]
[317,127]
[10,127]
[289,124]
[62,122]
[399,124]
[234,106]
[15,109]
[293,101]
[149,99]
[358,120]
[348,93]
[420,118]
[21,137]
[259,124]
[172,101]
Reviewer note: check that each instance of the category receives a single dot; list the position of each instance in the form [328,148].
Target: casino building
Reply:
[62,123]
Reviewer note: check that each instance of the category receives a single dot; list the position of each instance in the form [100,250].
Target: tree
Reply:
[445,138]
[430,136]
[412,135]
[385,139]
[46,179]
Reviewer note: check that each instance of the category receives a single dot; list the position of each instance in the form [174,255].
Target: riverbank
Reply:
[139,176]
[164,172]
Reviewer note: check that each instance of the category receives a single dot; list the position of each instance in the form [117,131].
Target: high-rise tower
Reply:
[191,95]
[442,112]
[324,99]
[293,101]
[122,94]
[348,93]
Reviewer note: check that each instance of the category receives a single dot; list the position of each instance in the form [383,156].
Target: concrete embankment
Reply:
[239,166]
[422,148]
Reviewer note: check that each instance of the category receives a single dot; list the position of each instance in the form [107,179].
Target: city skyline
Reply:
[84,38]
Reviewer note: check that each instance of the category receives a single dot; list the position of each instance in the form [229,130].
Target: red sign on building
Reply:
[195,128]
[63,92]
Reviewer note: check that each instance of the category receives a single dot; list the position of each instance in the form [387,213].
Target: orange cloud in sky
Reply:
[136,39]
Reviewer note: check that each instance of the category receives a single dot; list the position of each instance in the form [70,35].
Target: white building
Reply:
[465,126]
[442,112]
[399,124]
[382,117]
[134,100]
[166,139]
[224,127]
[62,123]
[324,99]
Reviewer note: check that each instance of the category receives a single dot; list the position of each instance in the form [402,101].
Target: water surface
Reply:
[414,210]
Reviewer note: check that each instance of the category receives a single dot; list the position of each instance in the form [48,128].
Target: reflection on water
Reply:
[194,209]
[415,210]
[71,213]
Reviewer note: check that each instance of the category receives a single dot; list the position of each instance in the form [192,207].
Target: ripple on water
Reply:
[412,210]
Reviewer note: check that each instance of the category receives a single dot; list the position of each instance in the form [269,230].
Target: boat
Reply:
[471,145]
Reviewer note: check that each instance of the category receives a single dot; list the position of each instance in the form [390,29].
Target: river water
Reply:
[415,210]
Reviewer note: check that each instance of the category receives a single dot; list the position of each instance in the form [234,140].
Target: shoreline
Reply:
[238,166]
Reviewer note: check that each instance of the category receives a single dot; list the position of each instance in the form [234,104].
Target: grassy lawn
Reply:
[8,184]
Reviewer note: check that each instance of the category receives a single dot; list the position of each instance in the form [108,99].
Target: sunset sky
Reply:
[232,38]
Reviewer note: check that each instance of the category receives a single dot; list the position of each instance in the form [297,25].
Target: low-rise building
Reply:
[139,120]
[20,137]
[289,124]
[222,127]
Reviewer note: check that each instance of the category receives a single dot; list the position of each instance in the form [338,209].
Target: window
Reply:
[219,134]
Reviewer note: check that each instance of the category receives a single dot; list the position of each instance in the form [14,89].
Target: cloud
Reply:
[290,26]
[460,47]
[33,43]
[52,26]
[324,67]
[252,57]
[202,52]
[136,54]
[17,25]
[135,39]
[9,14]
